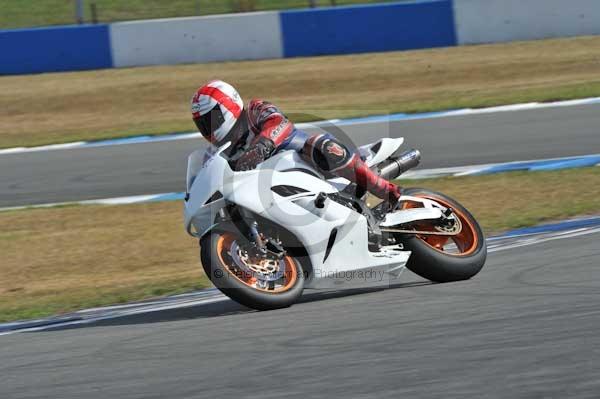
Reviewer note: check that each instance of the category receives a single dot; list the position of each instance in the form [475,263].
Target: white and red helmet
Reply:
[216,107]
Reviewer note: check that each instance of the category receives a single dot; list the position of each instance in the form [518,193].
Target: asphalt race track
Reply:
[137,169]
[525,327]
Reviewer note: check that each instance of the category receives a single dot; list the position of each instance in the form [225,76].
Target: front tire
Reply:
[243,288]
[430,260]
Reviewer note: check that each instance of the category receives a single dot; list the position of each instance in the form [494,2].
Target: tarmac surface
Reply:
[150,168]
[525,327]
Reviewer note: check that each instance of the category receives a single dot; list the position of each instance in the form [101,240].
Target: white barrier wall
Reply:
[490,21]
[196,39]
[294,33]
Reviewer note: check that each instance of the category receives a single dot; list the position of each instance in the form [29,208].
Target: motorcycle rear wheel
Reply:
[243,287]
[431,257]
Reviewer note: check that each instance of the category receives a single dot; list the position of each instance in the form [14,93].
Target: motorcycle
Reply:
[268,233]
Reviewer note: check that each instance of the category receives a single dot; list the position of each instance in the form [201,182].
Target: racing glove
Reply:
[257,153]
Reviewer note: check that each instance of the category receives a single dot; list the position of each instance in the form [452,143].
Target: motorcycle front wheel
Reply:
[442,258]
[236,276]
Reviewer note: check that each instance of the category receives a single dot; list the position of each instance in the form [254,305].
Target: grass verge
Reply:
[26,13]
[63,107]
[62,259]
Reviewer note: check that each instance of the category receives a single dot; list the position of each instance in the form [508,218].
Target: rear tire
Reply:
[216,266]
[432,263]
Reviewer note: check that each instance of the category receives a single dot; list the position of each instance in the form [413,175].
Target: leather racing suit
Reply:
[269,131]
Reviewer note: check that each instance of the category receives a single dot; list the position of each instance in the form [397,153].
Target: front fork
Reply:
[257,244]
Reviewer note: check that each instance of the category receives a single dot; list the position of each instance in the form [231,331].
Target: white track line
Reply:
[345,122]
[213,296]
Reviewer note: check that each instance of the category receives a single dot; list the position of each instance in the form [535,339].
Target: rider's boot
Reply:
[358,172]
[330,155]
[365,179]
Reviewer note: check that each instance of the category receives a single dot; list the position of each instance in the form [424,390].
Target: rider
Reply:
[260,130]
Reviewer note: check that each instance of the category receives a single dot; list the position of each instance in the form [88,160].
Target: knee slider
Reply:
[327,153]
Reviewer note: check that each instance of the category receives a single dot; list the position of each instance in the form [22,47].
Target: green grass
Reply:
[26,13]
[49,303]
[58,260]
[62,107]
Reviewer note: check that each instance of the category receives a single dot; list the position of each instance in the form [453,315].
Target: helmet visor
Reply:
[208,123]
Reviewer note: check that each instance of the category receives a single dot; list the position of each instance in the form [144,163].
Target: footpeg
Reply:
[320,200]
[448,212]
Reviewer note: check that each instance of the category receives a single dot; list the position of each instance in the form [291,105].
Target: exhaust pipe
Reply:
[394,167]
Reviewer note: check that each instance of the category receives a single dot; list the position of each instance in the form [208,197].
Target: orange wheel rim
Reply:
[289,278]
[467,241]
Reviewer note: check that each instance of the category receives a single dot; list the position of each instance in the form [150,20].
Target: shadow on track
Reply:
[225,307]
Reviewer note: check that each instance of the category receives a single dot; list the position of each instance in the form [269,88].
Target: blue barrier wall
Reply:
[64,48]
[318,31]
[359,29]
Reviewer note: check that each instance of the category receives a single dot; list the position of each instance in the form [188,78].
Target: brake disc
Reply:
[265,270]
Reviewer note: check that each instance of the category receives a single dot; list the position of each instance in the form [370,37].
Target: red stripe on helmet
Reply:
[222,98]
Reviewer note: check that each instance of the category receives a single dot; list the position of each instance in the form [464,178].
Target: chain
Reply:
[456,229]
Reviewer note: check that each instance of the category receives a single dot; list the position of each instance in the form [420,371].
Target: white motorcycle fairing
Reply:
[379,151]
[334,236]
